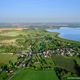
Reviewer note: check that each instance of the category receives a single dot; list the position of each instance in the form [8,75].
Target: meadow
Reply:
[64,63]
[29,74]
[6,57]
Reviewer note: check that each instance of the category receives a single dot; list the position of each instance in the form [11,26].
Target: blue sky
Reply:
[39,10]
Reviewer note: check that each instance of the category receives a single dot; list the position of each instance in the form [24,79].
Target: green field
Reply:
[5,58]
[29,74]
[10,33]
[75,58]
[64,63]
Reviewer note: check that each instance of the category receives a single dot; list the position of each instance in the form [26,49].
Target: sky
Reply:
[39,11]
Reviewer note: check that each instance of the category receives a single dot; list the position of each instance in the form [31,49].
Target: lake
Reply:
[67,33]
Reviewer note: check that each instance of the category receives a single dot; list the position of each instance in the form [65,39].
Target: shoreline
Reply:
[63,39]
[59,37]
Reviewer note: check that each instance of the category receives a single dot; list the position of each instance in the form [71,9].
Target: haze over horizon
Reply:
[39,11]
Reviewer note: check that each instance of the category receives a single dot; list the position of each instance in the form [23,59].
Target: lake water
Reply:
[68,33]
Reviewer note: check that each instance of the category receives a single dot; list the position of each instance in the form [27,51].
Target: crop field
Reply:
[5,58]
[10,36]
[11,33]
[29,74]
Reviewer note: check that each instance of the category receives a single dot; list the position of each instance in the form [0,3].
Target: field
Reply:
[64,63]
[5,58]
[11,33]
[33,52]
[75,58]
[29,74]
[10,36]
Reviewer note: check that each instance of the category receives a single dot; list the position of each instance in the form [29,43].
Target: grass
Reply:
[4,58]
[29,74]
[75,58]
[11,33]
[64,63]
[3,76]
